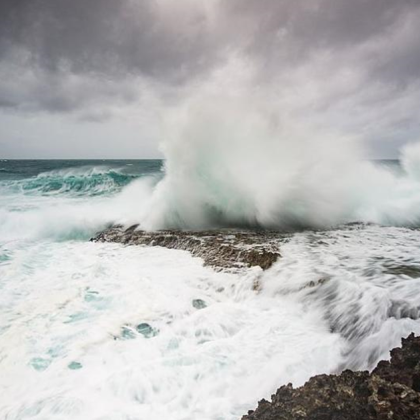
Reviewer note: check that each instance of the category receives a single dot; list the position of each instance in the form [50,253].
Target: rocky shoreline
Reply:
[390,392]
[220,249]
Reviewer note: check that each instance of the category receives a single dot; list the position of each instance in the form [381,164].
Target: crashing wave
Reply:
[232,163]
[78,181]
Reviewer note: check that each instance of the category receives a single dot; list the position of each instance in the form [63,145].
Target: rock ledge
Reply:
[390,392]
[221,249]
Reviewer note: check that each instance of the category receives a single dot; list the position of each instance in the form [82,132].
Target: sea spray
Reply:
[410,161]
[231,162]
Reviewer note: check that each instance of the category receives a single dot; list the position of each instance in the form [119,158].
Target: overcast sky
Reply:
[95,78]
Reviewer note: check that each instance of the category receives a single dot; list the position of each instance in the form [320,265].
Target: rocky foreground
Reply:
[221,249]
[390,392]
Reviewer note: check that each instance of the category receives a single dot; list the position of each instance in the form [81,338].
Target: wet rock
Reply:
[404,367]
[91,296]
[128,333]
[263,259]
[75,366]
[40,363]
[412,271]
[390,392]
[146,330]
[199,304]
[223,249]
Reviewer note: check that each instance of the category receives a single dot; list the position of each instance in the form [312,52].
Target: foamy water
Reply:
[81,303]
[102,331]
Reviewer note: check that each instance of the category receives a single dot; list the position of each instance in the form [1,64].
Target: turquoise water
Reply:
[68,199]
[88,177]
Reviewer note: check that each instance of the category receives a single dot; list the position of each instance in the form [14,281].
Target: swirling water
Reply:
[95,331]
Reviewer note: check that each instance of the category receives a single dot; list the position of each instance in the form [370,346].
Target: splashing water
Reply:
[234,165]
[72,202]
[103,331]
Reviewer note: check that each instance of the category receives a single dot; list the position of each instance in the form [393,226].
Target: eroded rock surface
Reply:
[223,249]
[390,392]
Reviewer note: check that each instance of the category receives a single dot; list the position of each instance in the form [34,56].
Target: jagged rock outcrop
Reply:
[390,392]
[223,249]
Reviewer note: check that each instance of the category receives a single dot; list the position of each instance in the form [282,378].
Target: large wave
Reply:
[232,162]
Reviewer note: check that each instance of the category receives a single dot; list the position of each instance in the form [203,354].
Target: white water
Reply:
[339,298]
[209,363]
[278,183]
[237,154]
[69,302]
[69,214]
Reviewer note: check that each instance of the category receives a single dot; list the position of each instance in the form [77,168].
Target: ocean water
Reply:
[92,331]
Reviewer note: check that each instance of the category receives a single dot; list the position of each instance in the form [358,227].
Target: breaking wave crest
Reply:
[83,181]
[73,203]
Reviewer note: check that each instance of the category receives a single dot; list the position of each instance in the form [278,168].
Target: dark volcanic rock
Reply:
[404,366]
[218,248]
[390,392]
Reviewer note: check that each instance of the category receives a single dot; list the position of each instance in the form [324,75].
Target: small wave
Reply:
[75,181]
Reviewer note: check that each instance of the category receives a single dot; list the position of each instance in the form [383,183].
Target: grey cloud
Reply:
[283,33]
[103,36]
[43,43]
[364,54]
[68,55]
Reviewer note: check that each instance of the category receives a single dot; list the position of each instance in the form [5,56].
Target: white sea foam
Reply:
[211,363]
[69,347]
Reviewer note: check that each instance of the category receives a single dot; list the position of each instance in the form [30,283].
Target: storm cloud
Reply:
[350,64]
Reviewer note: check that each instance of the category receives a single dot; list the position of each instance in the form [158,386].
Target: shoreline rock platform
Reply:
[390,392]
[220,249]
